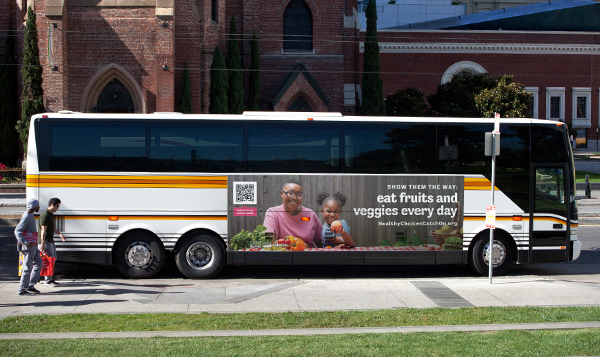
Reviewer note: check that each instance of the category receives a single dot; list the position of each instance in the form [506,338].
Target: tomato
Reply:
[288,242]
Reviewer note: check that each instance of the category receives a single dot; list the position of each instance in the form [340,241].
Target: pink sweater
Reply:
[283,224]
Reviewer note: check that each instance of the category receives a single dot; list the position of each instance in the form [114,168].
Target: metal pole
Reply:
[491,249]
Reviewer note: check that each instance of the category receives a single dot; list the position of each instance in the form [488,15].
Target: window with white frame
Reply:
[533,101]
[555,103]
[582,107]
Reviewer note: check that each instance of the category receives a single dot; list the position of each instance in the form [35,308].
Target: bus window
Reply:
[196,147]
[512,166]
[293,147]
[548,145]
[97,146]
[514,150]
[389,148]
[461,148]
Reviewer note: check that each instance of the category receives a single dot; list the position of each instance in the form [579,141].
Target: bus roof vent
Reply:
[168,113]
[65,112]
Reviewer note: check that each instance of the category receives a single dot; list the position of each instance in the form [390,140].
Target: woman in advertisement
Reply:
[292,219]
[335,232]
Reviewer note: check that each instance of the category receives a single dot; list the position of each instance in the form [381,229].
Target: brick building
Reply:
[551,48]
[129,55]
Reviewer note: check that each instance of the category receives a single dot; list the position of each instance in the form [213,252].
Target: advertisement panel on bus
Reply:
[345,212]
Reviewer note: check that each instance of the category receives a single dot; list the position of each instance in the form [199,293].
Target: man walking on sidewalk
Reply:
[47,230]
[32,262]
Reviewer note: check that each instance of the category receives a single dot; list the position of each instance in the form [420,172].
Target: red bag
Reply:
[48,265]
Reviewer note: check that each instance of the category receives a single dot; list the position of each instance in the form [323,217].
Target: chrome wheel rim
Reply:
[498,253]
[139,255]
[199,255]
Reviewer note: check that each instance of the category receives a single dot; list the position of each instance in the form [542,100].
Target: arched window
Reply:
[297,27]
[300,105]
[462,68]
[112,87]
[115,98]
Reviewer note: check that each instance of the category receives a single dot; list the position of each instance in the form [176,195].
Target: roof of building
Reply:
[558,15]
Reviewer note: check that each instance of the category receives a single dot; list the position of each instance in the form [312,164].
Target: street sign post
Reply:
[490,219]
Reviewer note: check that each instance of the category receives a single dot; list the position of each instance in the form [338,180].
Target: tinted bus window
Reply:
[514,150]
[548,144]
[389,148]
[512,166]
[293,147]
[461,149]
[196,147]
[97,146]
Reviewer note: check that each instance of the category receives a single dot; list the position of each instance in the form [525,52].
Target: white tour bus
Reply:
[138,187]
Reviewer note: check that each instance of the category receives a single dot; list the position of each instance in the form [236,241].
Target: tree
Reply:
[9,112]
[254,77]
[218,84]
[32,98]
[508,98]
[235,93]
[372,84]
[457,97]
[408,102]
[186,91]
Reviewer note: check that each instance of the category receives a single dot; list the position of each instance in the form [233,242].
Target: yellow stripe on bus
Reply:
[482,184]
[107,181]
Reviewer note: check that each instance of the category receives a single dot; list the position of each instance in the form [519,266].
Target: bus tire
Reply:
[200,256]
[503,254]
[140,255]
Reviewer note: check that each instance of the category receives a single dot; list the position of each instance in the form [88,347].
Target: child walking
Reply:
[331,208]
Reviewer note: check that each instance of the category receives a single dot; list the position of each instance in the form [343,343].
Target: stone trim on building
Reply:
[485,48]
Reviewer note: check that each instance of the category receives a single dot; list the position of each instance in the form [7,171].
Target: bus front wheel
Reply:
[140,255]
[200,256]
[502,255]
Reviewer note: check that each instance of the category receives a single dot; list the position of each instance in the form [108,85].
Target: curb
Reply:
[9,221]
[305,332]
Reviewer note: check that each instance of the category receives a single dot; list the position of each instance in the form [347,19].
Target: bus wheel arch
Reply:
[200,254]
[139,254]
[505,252]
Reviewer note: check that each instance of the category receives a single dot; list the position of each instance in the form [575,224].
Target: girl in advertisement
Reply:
[332,233]
[292,219]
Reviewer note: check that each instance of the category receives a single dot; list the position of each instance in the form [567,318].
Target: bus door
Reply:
[549,218]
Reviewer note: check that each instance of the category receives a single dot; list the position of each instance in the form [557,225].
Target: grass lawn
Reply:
[580,176]
[584,342]
[247,321]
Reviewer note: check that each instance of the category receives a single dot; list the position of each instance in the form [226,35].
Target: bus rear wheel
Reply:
[200,256]
[140,255]
[502,255]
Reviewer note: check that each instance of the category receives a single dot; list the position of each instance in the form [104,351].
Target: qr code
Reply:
[244,193]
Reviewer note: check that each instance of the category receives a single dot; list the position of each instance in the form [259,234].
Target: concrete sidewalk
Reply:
[302,293]
[304,332]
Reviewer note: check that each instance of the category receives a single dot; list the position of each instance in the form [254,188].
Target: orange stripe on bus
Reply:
[149,218]
[127,181]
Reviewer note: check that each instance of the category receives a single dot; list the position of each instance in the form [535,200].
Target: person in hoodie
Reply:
[32,262]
